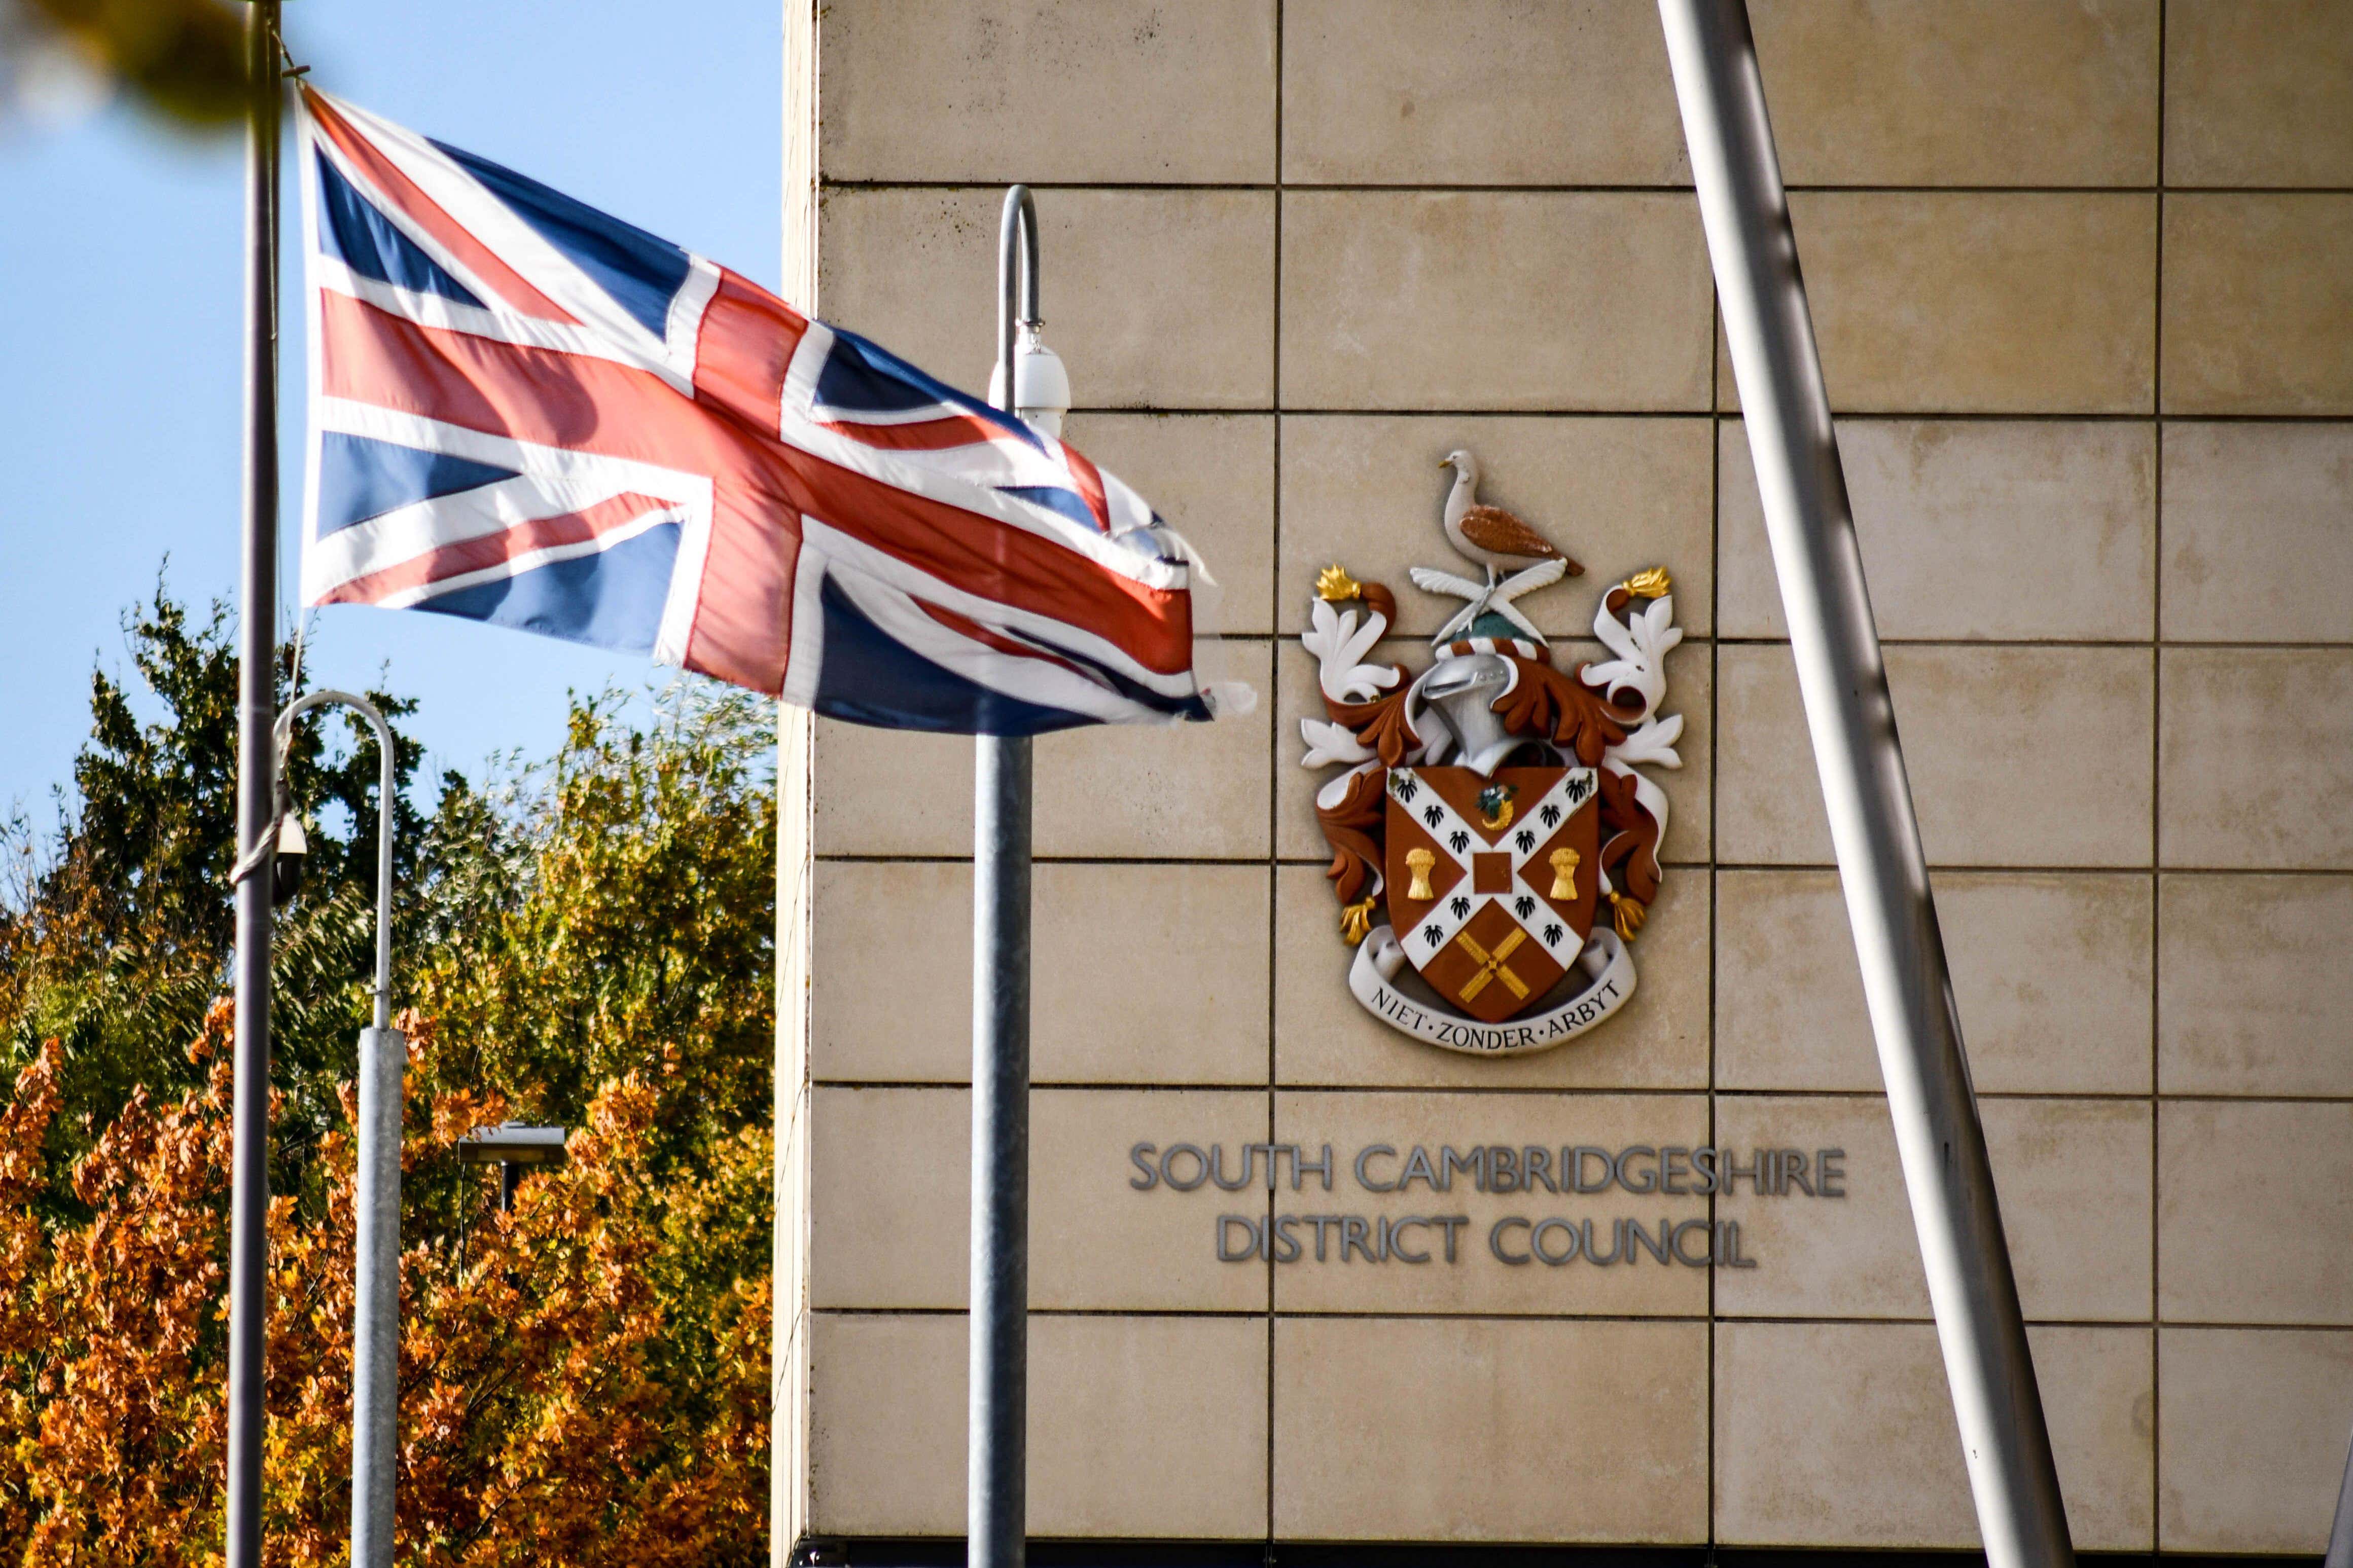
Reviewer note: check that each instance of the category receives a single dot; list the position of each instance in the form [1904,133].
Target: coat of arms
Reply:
[1494,843]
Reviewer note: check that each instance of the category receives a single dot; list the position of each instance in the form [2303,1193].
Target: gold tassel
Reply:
[1356,923]
[1627,915]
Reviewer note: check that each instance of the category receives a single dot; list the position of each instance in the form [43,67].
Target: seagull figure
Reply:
[1495,539]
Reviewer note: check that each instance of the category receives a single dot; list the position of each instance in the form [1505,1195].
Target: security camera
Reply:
[286,868]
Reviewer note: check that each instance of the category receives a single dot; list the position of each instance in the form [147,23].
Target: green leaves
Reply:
[632,924]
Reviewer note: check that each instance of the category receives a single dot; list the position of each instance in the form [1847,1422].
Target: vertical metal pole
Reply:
[376,1298]
[998,1437]
[1881,864]
[2340,1529]
[256,797]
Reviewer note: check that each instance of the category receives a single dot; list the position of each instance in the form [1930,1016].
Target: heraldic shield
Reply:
[1493,880]
[1495,836]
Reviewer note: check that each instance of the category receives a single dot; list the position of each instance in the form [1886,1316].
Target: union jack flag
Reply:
[526,412]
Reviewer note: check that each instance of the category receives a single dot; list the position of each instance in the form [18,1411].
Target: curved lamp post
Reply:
[1030,382]
[376,1298]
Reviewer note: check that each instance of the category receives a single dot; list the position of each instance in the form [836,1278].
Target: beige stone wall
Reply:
[2083,278]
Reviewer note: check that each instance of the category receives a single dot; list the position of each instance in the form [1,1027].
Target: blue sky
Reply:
[120,319]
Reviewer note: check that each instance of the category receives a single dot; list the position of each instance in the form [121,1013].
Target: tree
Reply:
[630,936]
[538,1423]
[640,925]
[116,943]
[588,941]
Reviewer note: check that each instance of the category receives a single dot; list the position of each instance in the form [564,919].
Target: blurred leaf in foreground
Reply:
[181,59]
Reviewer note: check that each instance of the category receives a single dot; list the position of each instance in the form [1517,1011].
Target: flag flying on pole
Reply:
[526,412]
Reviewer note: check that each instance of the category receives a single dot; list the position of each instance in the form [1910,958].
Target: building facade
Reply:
[2082,277]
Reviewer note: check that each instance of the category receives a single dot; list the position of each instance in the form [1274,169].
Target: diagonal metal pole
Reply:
[256,797]
[1777,368]
[997,1435]
[2340,1530]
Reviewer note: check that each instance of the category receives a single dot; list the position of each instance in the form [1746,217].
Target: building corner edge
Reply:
[788,1389]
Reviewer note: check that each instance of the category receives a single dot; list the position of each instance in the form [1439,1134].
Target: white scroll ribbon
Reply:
[1605,960]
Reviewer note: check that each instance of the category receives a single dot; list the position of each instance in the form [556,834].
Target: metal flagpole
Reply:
[1778,369]
[255,796]
[998,1437]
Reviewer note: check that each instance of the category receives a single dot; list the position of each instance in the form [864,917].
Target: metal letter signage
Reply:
[1495,847]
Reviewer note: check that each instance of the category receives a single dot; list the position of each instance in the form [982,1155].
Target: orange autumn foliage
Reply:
[536,1426]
